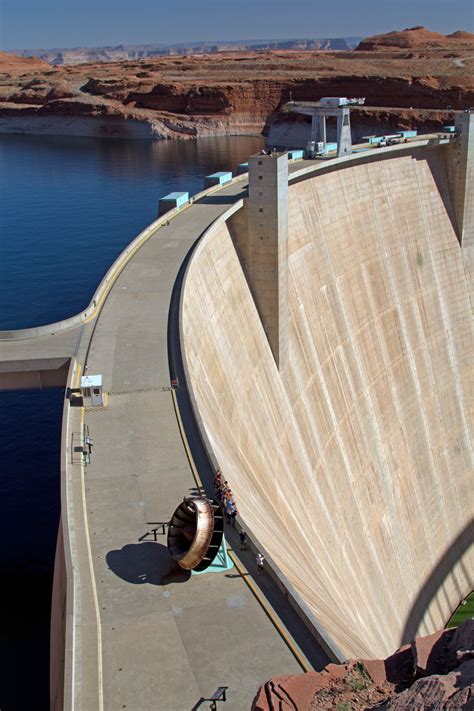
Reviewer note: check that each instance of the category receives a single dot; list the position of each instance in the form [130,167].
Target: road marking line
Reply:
[77,376]
[271,614]
[94,587]
[120,269]
[165,220]
[246,576]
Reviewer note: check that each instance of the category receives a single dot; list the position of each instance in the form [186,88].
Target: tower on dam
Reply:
[461,173]
[330,107]
[462,177]
[260,232]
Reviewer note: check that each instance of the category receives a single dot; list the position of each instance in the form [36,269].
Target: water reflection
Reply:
[70,205]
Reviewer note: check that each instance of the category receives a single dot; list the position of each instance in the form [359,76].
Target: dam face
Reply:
[351,465]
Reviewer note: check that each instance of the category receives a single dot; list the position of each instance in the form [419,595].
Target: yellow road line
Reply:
[94,587]
[77,376]
[166,219]
[268,609]
[246,576]
[120,269]
[197,478]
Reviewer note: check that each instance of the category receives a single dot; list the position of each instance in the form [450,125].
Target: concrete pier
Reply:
[461,169]
[261,237]
[319,114]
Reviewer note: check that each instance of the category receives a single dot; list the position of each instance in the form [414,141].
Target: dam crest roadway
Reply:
[343,576]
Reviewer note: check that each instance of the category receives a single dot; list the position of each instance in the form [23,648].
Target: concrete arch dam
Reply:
[326,352]
[351,462]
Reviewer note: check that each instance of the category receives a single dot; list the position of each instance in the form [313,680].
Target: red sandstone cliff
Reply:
[435,672]
[237,92]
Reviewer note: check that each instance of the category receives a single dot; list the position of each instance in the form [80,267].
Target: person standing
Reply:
[229,507]
[243,541]
[260,560]
[89,443]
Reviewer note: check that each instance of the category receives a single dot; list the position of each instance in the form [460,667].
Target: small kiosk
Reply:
[220,178]
[91,390]
[172,201]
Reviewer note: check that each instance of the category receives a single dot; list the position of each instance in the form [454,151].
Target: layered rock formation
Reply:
[230,92]
[435,672]
[80,55]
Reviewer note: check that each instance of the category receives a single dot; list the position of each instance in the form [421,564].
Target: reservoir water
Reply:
[68,207]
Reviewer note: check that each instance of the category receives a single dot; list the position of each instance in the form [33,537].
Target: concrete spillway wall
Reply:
[352,465]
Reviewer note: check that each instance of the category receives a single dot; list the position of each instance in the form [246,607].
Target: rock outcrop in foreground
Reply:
[435,672]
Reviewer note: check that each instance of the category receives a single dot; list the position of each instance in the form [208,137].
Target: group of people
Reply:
[224,495]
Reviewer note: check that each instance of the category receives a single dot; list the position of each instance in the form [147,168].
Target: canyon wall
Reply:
[353,466]
[240,92]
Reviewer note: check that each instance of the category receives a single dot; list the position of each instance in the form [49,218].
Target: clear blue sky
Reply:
[28,24]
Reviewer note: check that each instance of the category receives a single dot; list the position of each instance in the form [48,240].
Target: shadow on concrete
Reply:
[434,582]
[439,172]
[236,575]
[151,563]
[202,460]
[222,199]
[197,491]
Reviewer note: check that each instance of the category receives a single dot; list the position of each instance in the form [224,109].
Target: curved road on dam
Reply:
[140,634]
[164,639]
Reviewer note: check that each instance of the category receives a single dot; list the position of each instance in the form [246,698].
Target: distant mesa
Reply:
[462,35]
[11,64]
[81,55]
[412,38]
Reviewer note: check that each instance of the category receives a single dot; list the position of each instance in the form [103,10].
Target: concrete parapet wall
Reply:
[352,467]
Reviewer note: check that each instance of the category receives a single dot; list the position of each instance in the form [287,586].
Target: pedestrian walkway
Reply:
[167,638]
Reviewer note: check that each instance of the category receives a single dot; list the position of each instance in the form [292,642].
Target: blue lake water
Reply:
[68,207]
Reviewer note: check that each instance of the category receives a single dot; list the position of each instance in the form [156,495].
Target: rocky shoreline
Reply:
[116,127]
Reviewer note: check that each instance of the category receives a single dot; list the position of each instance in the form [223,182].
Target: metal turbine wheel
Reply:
[195,532]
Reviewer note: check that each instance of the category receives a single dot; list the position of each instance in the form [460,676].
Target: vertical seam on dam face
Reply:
[353,470]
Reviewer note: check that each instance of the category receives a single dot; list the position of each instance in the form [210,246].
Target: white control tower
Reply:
[330,106]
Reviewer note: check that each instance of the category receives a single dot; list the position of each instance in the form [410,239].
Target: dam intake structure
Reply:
[324,322]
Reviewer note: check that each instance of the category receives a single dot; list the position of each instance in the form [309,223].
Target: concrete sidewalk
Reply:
[167,639]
